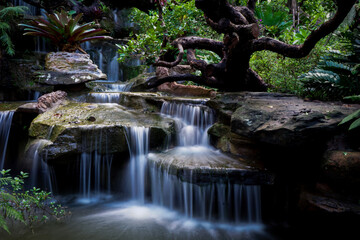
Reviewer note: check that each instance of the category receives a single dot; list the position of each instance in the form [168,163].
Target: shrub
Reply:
[25,206]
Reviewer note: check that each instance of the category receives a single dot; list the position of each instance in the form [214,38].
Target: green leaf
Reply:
[352,116]
[355,124]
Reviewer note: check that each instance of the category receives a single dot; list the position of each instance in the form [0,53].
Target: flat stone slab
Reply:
[203,165]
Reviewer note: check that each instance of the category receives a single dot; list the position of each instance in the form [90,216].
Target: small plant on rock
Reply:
[64,31]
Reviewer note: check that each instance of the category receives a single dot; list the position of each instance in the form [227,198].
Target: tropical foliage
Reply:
[338,74]
[7,15]
[355,118]
[26,206]
[156,31]
[64,31]
[273,21]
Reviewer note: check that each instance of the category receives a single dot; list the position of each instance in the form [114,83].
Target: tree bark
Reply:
[241,40]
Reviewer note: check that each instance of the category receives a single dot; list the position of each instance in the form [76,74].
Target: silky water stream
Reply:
[5,125]
[155,203]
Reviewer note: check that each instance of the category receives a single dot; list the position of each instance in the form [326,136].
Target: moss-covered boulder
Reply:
[74,128]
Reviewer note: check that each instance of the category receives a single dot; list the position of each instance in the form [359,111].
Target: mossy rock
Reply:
[84,127]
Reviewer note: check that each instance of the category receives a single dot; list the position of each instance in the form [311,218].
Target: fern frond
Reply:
[7,197]
[3,224]
[336,67]
[12,213]
[320,75]
[9,12]
[4,26]
[7,43]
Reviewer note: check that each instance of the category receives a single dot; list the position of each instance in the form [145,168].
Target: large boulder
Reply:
[279,119]
[316,162]
[75,128]
[64,68]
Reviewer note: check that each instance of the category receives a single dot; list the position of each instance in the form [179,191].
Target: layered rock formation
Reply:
[64,68]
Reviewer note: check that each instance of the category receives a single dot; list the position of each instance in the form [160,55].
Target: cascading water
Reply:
[32,9]
[5,126]
[104,97]
[212,201]
[94,167]
[224,202]
[138,141]
[193,122]
[113,71]
[41,174]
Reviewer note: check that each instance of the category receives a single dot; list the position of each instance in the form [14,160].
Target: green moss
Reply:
[10,106]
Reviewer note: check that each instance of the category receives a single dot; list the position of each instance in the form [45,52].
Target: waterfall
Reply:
[193,121]
[41,174]
[104,97]
[138,141]
[94,167]
[106,58]
[224,202]
[5,126]
[113,70]
[117,87]
[32,9]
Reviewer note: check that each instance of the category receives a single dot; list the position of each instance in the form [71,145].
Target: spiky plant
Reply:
[64,31]
[7,14]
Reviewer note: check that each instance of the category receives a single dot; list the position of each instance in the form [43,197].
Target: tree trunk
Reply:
[241,40]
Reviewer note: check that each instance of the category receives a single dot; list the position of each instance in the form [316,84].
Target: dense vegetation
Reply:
[156,29]
[283,22]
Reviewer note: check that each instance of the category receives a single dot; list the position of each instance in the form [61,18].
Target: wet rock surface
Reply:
[84,127]
[279,119]
[300,141]
[203,165]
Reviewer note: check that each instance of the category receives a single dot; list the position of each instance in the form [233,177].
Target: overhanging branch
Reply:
[172,64]
[299,51]
[155,82]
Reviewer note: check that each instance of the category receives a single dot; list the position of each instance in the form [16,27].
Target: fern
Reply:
[6,16]
[7,43]
[3,224]
[10,12]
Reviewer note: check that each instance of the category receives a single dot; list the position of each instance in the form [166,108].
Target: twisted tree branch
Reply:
[176,62]
[299,51]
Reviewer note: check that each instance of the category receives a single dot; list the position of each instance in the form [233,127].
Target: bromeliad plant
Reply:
[64,31]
